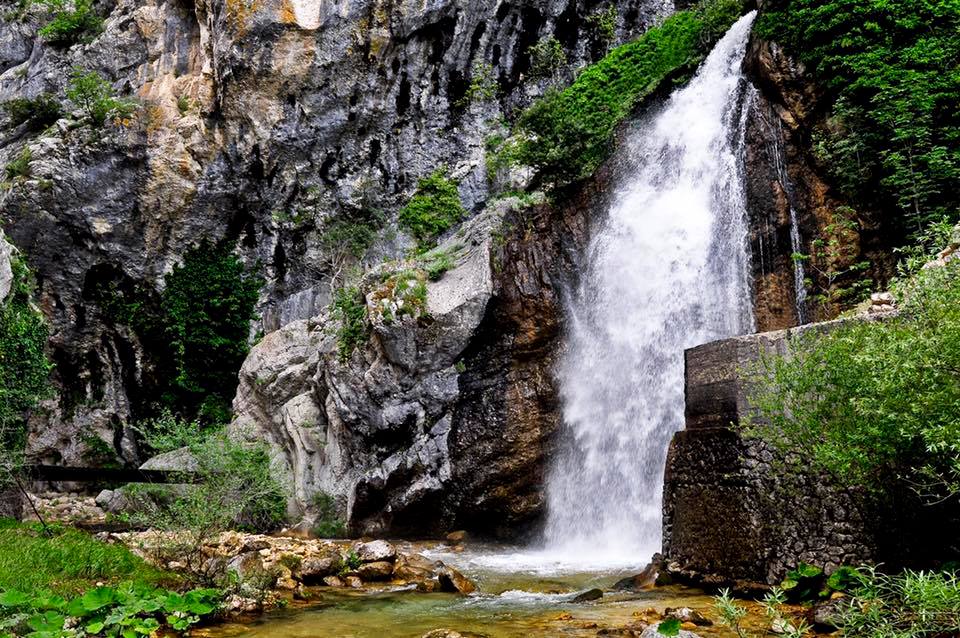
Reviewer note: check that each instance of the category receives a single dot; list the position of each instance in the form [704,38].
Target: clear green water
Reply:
[530,600]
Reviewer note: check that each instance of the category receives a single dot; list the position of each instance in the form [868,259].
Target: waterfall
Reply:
[668,269]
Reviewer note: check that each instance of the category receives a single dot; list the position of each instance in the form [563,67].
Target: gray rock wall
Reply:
[298,113]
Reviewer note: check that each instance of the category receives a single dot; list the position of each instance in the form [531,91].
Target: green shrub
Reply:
[352,235]
[71,24]
[207,305]
[907,604]
[547,57]
[350,310]
[439,265]
[483,85]
[434,208]
[872,403]
[568,132]
[95,97]
[40,112]
[604,23]
[234,487]
[24,368]
[329,523]
[889,71]
[196,329]
[19,166]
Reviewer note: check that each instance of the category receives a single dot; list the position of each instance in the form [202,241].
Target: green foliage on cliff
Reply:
[433,209]
[207,306]
[350,310]
[71,22]
[872,402]
[39,112]
[93,95]
[24,368]
[197,329]
[567,134]
[890,72]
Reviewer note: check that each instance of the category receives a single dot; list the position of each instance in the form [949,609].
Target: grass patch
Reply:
[67,562]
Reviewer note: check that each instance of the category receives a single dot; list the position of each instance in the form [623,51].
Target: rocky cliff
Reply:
[260,126]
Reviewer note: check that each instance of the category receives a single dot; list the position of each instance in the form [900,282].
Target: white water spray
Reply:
[668,270]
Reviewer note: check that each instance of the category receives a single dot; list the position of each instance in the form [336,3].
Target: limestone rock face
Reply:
[389,431]
[259,125]
[792,202]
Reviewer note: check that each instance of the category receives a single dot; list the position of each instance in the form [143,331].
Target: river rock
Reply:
[456,538]
[379,570]
[246,566]
[353,582]
[451,580]
[316,568]
[644,580]
[376,551]
[587,596]
[333,581]
[688,615]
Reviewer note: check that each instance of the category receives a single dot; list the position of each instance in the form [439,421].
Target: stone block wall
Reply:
[733,516]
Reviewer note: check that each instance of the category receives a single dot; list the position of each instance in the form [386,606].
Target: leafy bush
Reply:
[483,85]
[20,165]
[568,132]
[434,208]
[803,582]
[197,328]
[329,524]
[24,368]
[95,97]
[233,487]
[71,24]
[889,71]
[873,402]
[547,57]
[40,112]
[350,309]
[604,23]
[907,604]
[207,306]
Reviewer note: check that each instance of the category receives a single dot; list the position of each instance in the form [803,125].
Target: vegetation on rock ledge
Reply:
[567,134]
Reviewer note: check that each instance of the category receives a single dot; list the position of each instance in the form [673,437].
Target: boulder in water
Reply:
[453,581]
[375,551]
[687,615]
[587,596]
[379,570]
[646,579]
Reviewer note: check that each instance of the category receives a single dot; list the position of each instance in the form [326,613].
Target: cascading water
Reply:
[668,270]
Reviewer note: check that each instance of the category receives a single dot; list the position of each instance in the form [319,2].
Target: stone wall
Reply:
[731,515]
